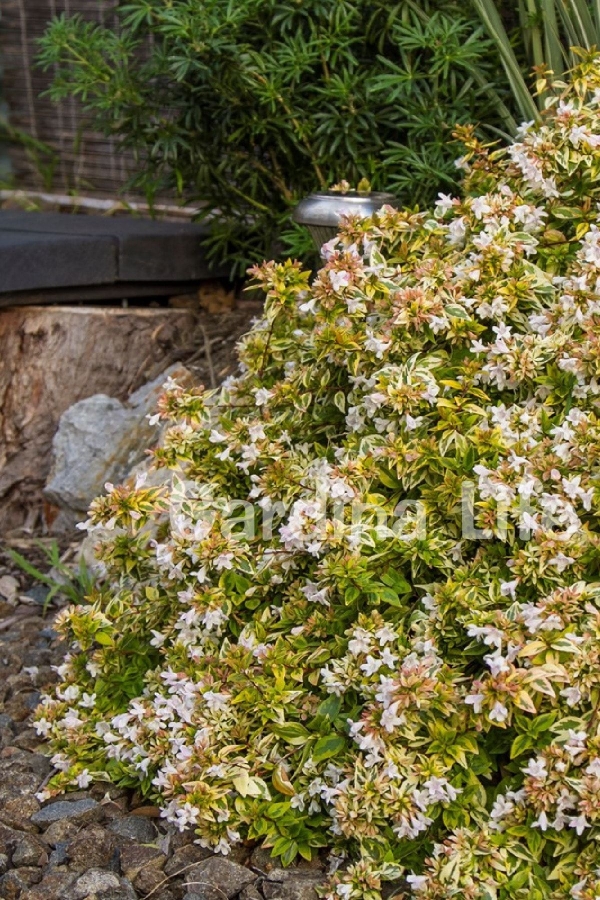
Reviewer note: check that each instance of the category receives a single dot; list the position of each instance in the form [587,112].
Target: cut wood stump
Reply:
[53,356]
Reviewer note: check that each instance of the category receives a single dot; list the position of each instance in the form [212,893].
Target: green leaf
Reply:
[457,312]
[292,733]
[521,744]
[340,401]
[328,746]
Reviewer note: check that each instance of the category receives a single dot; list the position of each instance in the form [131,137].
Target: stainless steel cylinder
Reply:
[320,212]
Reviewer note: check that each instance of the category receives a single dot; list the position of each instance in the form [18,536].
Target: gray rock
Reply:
[124,891]
[31,851]
[75,810]
[134,828]
[262,860]
[292,889]
[60,832]
[251,892]
[9,838]
[217,879]
[38,593]
[3,863]
[6,722]
[53,886]
[100,439]
[135,858]
[312,870]
[93,848]
[95,881]
[17,880]
[59,855]
[186,856]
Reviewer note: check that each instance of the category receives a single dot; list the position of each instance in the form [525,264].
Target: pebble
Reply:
[134,828]
[217,878]
[95,881]
[29,852]
[93,848]
[66,809]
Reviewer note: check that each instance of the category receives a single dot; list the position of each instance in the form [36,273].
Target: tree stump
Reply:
[53,356]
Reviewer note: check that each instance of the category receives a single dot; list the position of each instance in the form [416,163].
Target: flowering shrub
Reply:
[363,614]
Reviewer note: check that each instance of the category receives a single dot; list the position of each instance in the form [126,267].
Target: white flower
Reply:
[536,768]
[476,701]
[262,396]
[480,207]
[579,824]
[375,345]
[457,231]
[509,588]
[417,882]
[572,695]
[371,666]
[84,779]
[502,807]
[443,204]
[339,279]
[216,701]
[498,712]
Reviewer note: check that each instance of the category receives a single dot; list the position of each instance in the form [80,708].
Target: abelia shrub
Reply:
[360,607]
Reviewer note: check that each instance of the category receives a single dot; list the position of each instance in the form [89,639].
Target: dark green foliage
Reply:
[247,105]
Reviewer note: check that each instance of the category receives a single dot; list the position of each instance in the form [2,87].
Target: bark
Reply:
[51,357]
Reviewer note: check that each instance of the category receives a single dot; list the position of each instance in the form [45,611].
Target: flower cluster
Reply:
[358,606]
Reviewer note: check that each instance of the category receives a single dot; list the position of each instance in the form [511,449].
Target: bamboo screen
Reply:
[86,162]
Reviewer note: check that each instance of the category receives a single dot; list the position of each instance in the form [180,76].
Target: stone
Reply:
[147,881]
[59,855]
[134,828]
[92,848]
[292,889]
[9,587]
[17,880]
[217,879]
[124,891]
[3,863]
[94,881]
[101,439]
[262,860]
[60,832]
[80,811]
[6,723]
[31,851]
[135,858]
[52,887]
[38,763]
[9,838]
[251,892]
[185,857]
[20,808]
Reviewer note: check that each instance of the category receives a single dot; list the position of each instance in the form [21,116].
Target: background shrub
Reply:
[247,106]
